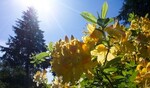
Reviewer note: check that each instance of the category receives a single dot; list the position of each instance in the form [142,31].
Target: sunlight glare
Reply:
[42,6]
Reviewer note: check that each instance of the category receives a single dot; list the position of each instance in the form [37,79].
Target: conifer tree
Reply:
[138,7]
[28,40]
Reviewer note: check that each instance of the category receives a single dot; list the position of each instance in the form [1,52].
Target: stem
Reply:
[97,73]
[108,46]
[108,79]
[106,56]
[99,70]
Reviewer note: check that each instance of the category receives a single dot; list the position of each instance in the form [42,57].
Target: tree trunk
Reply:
[27,84]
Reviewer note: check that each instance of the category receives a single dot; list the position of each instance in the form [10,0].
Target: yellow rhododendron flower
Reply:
[37,75]
[91,28]
[116,31]
[71,58]
[57,83]
[93,34]
[135,24]
[144,72]
[148,66]
[100,51]
[40,77]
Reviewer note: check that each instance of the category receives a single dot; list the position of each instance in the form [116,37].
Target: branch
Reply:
[107,79]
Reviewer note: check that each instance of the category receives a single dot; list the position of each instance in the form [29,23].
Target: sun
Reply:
[42,5]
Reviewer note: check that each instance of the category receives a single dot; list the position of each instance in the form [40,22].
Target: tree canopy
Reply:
[138,7]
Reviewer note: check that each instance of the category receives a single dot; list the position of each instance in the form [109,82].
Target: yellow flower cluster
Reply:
[71,58]
[93,38]
[93,35]
[142,25]
[144,72]
[116,32]
[40,77]
[57,83]
[120,39]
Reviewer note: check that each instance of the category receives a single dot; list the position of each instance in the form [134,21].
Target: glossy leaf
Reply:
[41,55]
[89,17]
[111,69]
[104,10]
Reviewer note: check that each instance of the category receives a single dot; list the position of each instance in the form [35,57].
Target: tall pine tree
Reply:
[27,41]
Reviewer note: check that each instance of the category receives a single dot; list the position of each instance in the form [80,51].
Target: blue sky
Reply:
[62,19]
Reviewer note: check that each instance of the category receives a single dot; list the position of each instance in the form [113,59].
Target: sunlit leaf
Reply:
[32,62]
[50,46]
[146,15]
[41,55]
[39,58]
[104,10]
[42,59]
[105,43]
[89,17]
[111,69]
[131,16]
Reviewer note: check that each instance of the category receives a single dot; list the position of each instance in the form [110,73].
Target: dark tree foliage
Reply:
[17,71]
[138,7]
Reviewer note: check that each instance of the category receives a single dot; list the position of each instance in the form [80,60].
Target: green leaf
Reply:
[104,10]
[131,64]
[131,17]
[133,76]
[41,55]
[104,79]
[146,15]
[124,73]
[89,17]
[118,77]
[105,42]
[39,58]
[42,59]
[111,69]
[122,85]
[104,22]
[32,62]
[50,46]
[110,20]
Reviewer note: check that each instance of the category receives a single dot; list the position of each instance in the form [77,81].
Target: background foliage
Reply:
[138,7]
